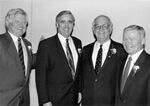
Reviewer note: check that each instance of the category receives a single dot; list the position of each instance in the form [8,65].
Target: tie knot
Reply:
[101,46]
[67,41]
[19,40]
[130,58]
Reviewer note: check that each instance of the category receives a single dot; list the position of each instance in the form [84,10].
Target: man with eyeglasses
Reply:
[99,65]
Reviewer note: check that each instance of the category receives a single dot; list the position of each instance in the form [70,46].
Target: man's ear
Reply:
[143,41]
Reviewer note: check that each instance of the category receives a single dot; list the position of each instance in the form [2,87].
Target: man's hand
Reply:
[79,98]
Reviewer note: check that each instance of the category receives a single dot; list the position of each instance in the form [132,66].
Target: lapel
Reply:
[13,51]
[120,75]
[133,75]
[60,49]
[109,55]
[78,50]
[90,57]
[61,53]
[29,55]
[14,54]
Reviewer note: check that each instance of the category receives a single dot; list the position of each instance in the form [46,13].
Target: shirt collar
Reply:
[135,56]
[62,38]
[15,38]
[106,44]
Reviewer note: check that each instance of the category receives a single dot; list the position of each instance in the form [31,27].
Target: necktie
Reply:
[70,59]
[125,74]
[20,52]
[99,60]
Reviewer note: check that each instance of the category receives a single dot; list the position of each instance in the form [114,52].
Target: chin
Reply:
[132,53]
[129,51]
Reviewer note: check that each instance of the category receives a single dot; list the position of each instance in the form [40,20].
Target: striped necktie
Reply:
[20,52]
[70,59]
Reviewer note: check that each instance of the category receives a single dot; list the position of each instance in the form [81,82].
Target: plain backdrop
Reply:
[42,13]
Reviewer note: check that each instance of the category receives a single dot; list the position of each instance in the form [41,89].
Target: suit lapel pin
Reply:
[135,69]
[29,47]
[112,52]
[79,50]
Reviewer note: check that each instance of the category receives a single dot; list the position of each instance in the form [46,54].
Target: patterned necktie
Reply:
[99,60]
[70,59]
[20,52]
[125,74]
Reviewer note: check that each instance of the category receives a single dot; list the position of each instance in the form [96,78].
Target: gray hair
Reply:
[11,14]
[63,13]
[137,28]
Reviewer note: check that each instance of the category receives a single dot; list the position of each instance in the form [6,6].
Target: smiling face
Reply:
[133,41]
[18,25]
[65,25]
[102,29]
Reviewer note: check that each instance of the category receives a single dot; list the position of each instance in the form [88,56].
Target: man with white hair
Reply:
[99,61]
[16,60]
[133,84]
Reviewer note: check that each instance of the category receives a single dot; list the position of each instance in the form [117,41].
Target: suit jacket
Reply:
[53,75]
[99,89]
[13,83]
[137,88]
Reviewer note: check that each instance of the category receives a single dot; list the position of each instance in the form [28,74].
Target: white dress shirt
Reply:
[15,40]
[96,48]
[72,47]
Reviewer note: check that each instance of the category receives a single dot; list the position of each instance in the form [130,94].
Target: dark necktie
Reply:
[70,59]
[20,52]
[99,60]
[125,74]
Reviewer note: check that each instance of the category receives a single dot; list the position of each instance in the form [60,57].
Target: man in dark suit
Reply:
[99,61]
[16,60]
[58,65]
[133,84]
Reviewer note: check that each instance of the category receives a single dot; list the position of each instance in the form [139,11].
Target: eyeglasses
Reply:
[103,27]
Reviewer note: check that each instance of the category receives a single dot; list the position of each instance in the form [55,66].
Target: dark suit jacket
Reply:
[137,89]
[53,76]
[13,84]
[99,89]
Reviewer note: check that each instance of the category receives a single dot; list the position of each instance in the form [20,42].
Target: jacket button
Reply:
[96,80]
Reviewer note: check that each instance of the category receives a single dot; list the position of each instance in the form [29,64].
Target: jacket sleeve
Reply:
[41,73]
